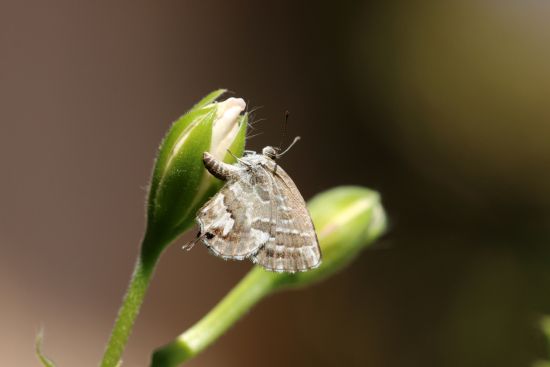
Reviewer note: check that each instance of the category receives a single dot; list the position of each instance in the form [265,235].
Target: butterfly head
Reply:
[273,153]
[270,153]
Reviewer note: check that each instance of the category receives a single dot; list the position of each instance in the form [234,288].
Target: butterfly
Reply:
[258,214]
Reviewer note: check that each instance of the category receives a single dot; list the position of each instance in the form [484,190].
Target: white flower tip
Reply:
[226,127]
[232,103]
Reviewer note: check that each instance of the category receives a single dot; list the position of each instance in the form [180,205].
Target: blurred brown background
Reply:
[442,106]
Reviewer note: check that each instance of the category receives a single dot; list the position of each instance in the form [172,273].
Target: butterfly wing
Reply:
[235,223]
[292,244]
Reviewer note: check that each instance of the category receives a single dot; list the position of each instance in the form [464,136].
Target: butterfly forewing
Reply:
[292,244]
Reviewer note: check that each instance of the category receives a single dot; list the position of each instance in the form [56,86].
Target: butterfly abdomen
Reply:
[217,168]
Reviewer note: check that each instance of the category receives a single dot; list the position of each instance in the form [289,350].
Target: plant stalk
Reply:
[247,293]
[131,304]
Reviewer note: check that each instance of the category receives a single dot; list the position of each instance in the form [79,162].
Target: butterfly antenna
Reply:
[296,139]
[278,155]
[287,115]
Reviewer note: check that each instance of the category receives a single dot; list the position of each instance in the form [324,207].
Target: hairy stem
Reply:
[131,304]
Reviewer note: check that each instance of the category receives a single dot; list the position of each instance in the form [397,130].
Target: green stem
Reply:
[131,304]
[246,294]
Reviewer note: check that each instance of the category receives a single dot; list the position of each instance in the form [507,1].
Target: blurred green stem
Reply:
[545,327]
[248,292]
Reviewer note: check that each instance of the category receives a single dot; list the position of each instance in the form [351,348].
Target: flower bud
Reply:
[180,184]
[347,219]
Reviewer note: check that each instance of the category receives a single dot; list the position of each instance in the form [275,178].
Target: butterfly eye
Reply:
[209,235]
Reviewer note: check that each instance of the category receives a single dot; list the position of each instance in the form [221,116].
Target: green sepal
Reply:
[46,362]
[210,98]
[177,130]
[169,207]
[237,147]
